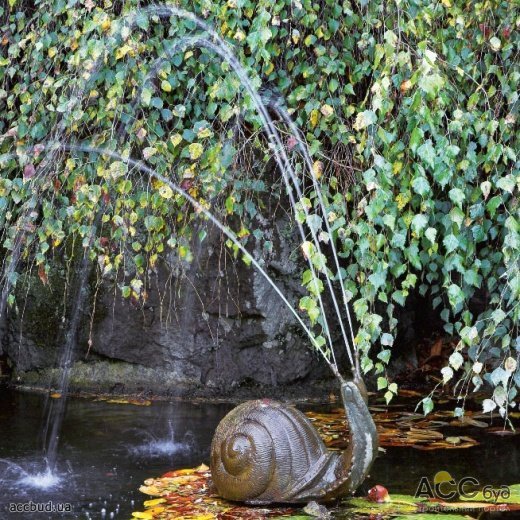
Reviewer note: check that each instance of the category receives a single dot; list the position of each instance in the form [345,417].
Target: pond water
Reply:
[108,450]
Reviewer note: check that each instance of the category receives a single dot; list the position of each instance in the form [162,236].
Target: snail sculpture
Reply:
[266,452]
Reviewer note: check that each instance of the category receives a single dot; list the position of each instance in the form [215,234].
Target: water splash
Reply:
[155,446]
[44,480]
[29,475]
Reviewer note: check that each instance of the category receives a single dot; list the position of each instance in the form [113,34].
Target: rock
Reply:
[225,327]
[209,328]
[317,511]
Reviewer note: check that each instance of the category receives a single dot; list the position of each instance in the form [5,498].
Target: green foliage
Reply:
[409,107]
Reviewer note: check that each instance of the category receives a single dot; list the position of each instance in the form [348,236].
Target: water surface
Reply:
[108,450]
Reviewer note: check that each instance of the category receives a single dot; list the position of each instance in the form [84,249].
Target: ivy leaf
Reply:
[416,137]
[384,355]
[455,295]
[421,185]
[456,360]
[431,234]
[488,405]
[364,119]
[326,110]
[457,196]
[427,405]
[146,96]
[195,150]
[451,242]
[165,85]
[485,188]
[149,151]
[419,222]
[165,192]
[427,153]
[507,183]
[431,83]
[387,340]
[447,374]
[382,383]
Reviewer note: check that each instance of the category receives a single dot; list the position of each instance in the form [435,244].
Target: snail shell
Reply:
[264,451]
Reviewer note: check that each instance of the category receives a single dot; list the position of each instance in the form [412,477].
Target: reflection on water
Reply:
[107,450]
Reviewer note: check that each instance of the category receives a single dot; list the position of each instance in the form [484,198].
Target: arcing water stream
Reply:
[293,187]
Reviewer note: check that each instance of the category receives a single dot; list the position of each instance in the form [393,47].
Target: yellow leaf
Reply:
[156,183]
[52,52]
[405,86]
[307,248]
[150,490]
[397,167]
[154,502]
[195,150]
[314,118]
[204,132]
[326,110]
[156,510]
[317,169]
[122,51]
[183,479]
[165,192]
[165,85]
[145,515]
[175,139]
[106,24]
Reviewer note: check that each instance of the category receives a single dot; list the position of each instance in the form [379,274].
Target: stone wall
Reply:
[212,326]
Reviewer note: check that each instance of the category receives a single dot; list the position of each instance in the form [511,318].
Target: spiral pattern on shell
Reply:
[262,450]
